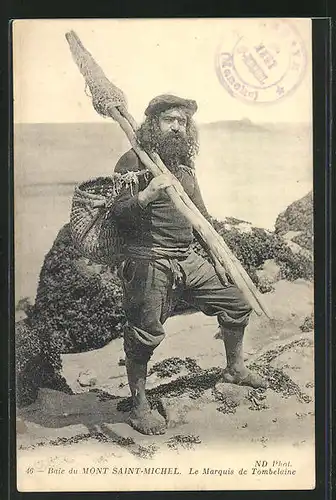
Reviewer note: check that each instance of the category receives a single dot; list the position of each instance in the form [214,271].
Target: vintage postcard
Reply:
[164,329]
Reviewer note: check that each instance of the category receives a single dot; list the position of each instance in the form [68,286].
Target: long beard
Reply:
[173,149]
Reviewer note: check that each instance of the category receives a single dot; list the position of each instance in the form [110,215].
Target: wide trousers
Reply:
[150,288]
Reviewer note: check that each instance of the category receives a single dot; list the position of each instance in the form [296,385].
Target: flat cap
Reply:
[167,101]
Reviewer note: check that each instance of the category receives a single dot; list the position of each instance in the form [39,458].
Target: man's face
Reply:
[173,120]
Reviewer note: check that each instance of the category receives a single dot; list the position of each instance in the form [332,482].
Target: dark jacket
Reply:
[160,224]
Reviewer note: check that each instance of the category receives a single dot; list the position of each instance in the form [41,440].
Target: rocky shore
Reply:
[78,304]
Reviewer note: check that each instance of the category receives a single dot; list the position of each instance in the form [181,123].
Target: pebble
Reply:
[87,378]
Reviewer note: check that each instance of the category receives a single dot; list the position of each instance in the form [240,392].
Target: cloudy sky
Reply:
[144,58]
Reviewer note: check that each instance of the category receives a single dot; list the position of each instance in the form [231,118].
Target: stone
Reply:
[291,234]
[21,427]
[244,227]
[269,274]
[297,249]
[87,378]
[298,217]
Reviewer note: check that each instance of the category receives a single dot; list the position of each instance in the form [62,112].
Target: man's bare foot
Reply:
[245,377]
[147,421]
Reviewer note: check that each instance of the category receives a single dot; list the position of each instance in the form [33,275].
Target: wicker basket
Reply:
[93,229]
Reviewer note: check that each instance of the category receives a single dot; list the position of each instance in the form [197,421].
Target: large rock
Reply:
[269,273]
[36,366]
[298,217]
[78,307]
[254,246]
[79,303]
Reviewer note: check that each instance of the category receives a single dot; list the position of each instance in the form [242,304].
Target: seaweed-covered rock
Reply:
[35,367]
[78,304]
[269,274]
[298,217]
[78,307]
[255,246]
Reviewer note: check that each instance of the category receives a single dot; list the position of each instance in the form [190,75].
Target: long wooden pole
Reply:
[109,101]
[222,261]
[231,263]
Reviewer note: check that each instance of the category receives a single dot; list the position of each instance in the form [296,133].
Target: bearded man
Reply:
[160,265]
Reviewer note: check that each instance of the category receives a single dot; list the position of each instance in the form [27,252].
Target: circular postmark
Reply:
[263,60]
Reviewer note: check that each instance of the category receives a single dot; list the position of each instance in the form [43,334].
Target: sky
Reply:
[144,58]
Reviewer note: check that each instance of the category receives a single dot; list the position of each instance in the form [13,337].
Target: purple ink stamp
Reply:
[263,61]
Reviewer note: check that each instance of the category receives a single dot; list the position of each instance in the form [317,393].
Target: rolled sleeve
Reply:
[127,209]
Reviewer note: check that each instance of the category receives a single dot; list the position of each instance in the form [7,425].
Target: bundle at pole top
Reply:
[105,95]
[109,101]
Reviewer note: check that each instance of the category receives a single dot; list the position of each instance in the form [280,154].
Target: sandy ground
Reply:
[212,425]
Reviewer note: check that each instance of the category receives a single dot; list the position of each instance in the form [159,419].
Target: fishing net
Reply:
[105,95]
